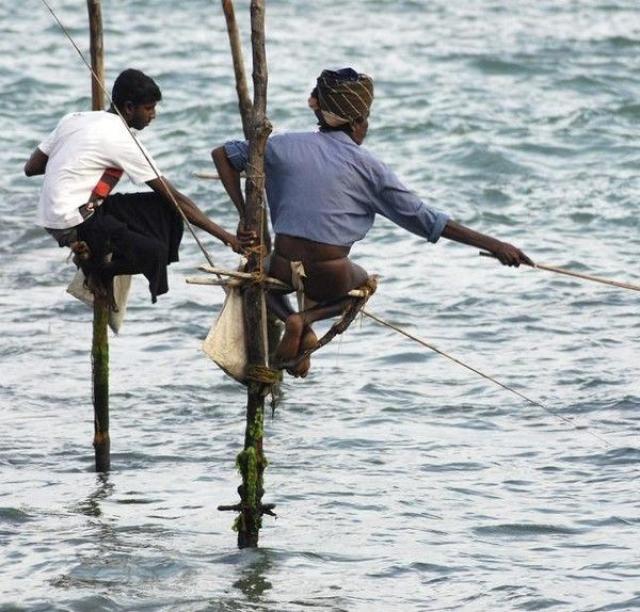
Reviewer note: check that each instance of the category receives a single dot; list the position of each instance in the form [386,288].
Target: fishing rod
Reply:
[485,376]
[589,277]
[140,147]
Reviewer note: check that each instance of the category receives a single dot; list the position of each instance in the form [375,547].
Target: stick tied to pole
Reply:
[244,101]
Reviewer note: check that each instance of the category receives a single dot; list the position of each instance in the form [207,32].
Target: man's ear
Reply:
[127,109]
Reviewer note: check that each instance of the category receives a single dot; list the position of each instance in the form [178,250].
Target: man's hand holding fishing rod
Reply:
[324,191]
[506,253]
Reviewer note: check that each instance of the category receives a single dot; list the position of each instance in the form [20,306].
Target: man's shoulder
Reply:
[309,141]
[76,116]
[110,129]
[285,144]
[95,131]
[80,121]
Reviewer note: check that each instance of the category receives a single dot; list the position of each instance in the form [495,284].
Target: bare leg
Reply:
[279,305]
[296,340]
[326,282]
[309,341]
[298,335]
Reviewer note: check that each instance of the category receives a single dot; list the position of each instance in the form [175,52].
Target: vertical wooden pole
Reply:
[251,460]
[100,345]
[100,366]
[96,46]
[244,101]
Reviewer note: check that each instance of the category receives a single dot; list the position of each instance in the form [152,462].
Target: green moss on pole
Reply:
[251,460]
[100,344]
[100,371]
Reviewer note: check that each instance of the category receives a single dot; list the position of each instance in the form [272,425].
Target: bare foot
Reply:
[81,250]
[289,346]
[309,340]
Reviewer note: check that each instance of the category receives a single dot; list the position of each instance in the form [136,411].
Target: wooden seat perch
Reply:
[361,295]
[236,278]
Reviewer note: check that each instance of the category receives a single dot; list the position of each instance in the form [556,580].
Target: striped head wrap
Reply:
[342,96]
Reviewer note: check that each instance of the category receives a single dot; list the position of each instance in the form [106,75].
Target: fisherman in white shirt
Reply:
[113,234]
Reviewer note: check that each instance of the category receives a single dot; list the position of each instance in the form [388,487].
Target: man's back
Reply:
[81,147]
[320,185]
[323,186]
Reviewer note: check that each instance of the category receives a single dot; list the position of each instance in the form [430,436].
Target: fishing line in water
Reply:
[151,165]
[485,376]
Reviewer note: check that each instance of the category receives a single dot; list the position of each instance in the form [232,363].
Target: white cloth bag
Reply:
[225,343]
[121,286]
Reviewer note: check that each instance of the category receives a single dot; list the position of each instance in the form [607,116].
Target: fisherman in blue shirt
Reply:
[323,192]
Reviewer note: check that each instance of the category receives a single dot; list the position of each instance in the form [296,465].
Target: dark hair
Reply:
[136,87]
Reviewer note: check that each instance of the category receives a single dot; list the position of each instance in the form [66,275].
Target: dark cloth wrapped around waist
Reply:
[140,231]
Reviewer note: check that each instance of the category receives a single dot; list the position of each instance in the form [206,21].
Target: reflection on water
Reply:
[252,581]
[91,504]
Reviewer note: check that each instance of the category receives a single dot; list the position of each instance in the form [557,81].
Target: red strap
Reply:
[107,182]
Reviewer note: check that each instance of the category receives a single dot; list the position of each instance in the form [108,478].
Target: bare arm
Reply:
[230,178]
[508,254]
[193,213]
[36,164]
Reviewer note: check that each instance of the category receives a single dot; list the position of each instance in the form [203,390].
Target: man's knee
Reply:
[359,276]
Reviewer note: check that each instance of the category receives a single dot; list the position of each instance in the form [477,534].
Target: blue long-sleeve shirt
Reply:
[324,187]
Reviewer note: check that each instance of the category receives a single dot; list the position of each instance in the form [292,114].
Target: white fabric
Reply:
[121,286]
[225,343]
[297,274]
[81,147]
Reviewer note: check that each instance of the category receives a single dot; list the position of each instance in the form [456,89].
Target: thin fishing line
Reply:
[588,277]
[486,376]
[161,178]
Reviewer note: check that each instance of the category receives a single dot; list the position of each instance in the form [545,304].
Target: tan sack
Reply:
[225,343]
[121,286]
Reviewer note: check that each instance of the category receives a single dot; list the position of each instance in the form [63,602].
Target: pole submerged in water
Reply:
[252,462]
[100,343]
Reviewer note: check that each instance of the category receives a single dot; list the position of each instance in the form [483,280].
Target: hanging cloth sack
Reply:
[121,286]
[225,343]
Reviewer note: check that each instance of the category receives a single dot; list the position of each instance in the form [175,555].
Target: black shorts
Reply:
[141,231]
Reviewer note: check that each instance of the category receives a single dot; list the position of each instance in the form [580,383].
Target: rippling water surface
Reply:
[402,481]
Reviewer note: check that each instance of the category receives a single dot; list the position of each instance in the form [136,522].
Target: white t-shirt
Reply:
[81,147]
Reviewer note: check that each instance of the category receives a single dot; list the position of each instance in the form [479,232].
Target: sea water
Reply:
[402,480]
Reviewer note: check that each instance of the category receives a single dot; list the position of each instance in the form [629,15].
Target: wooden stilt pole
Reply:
[96,46]
[251,460]
[261,331]
[245,106]
[244,101]
[100,345]
[100,365]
